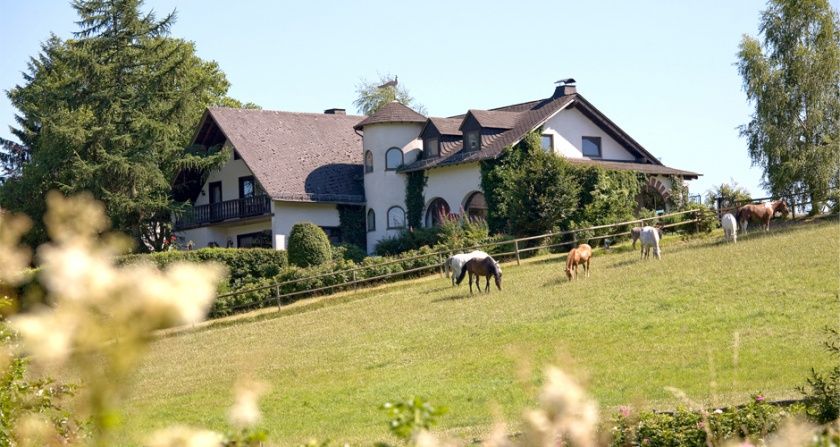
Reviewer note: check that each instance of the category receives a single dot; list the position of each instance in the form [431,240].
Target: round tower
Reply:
[390,139]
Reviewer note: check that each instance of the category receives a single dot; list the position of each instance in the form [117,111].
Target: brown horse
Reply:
[580,255]
[762,212]
[479,267]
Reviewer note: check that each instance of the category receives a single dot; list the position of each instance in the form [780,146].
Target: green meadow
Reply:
[716,320]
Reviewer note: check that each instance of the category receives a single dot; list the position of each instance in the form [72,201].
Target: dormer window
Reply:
[472,141]
[430,147]
[591,147]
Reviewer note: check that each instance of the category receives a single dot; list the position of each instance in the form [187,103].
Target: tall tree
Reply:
[792,76]
[111,112]
[372,95]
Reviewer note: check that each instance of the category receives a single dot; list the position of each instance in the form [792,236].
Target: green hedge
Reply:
[691,428]
[244,265]
[335,273]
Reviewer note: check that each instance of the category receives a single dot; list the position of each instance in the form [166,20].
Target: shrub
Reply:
[243,264]
[348,252]
[308,245]
[822,390]
[692,428]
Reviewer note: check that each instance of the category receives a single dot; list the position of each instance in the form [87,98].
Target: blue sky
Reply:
[662,70]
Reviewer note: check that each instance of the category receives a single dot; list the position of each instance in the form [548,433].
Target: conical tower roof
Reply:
[393,112]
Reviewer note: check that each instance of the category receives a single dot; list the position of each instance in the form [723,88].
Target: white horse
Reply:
[455,263]
[730,227]
[650,239]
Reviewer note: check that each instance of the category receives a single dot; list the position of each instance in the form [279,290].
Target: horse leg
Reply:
[471,281]
[586,267]
[487,284]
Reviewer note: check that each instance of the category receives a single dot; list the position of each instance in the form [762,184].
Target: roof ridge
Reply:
[240,109]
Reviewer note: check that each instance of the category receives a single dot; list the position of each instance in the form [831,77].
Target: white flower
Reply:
[245,412]
[47,335]
[180,436]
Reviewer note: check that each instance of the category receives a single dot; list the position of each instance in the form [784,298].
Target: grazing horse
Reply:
[580,255]
[455,263]
[730,227]
[762,212]
[650,239]
[637,231]
[479,267]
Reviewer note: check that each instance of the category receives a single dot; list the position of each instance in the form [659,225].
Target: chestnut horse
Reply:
[762,212]
[580,255]
[479,267]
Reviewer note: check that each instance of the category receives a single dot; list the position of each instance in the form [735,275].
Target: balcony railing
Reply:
[220,211]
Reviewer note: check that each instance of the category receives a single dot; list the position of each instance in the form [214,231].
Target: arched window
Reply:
[371,221]
[393,159]
[396,218]
[368,162]
[436,212]
[476,206]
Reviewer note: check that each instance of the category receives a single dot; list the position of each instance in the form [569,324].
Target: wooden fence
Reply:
[520,247]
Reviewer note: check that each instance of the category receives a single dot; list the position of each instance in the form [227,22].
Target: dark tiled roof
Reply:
[492,145]
[496,120]
[447,126]
[393,112]
[308,157]
[644,168]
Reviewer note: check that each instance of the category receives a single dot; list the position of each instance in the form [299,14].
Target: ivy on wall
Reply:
[414,198]
[351,219]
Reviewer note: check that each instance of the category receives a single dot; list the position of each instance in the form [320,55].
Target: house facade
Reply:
[291,167]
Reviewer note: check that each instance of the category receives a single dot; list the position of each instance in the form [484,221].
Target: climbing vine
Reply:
[351,219]
[414,199]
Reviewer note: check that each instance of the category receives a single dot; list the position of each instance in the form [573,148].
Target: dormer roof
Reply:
[393,112]
[490,119]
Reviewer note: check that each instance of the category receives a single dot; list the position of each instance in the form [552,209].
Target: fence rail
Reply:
[515,254]
[278,298]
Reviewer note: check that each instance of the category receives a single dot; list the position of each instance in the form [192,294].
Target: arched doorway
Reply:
[436,212]
[475,206]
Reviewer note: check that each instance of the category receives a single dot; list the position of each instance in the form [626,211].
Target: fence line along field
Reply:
[716,320]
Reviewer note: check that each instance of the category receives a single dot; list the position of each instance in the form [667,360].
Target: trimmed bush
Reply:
[308,245]
[244,265]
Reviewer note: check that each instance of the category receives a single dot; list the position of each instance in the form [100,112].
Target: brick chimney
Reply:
[335,112]
[564,87]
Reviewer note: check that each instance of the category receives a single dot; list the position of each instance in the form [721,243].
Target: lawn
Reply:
[718,321]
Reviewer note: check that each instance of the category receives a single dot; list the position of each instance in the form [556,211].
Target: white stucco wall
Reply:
[453,184]
[287,214]
[569,126]
[229,175]
[384,189]
[221,233]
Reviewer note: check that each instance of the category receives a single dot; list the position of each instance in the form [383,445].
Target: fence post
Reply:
[697,222]
[355,284]
[277,289]
[516,249]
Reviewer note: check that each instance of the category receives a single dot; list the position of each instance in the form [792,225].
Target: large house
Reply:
[290,167]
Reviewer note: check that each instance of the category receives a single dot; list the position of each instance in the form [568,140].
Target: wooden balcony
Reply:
[202,215]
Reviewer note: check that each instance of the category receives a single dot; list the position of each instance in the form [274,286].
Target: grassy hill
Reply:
[718,321]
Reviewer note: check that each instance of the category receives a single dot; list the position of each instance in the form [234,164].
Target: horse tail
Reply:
[461,275]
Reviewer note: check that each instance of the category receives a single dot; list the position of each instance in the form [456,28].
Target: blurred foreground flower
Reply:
[245,412]
[100,315]
[181,436]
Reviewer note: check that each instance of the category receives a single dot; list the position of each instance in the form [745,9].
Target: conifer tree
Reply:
[111,111]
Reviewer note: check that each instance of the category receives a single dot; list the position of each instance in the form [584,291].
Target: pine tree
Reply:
[111,111]
[793,78]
